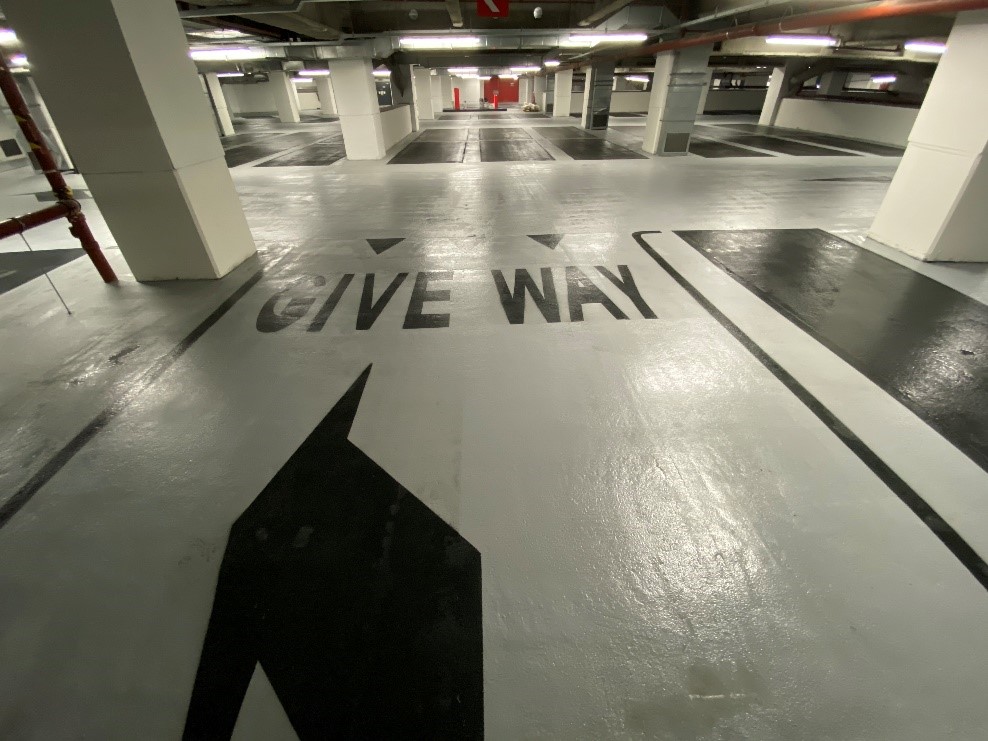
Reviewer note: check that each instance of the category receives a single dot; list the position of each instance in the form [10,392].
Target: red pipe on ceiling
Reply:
[852,14]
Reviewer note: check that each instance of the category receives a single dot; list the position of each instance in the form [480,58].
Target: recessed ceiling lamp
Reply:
[592,39]
[313,72]
[7,36]
[439,42]
[883,79]
[795,40]
[226,55]
[229,74]
[926,47]
[523,70]
[381,73]
[460,71]
[637,78]
[551,63]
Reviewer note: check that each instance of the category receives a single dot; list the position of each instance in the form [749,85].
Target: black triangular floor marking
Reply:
[380,245]
[362,606]
[549,240]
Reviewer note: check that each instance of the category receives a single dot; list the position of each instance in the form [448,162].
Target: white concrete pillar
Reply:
[538,91]
[39,111]
[436,90]
[832,83]
[293,91]
[422,94]
[218,100]
[358,109]
[283,90]
[705,92]
[773,96]
[523,90]
[446,83]
[327,101]
[677,84]
[937,205]
[562,95]
[140,131]
[597,95]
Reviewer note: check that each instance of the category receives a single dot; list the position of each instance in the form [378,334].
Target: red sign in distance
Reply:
[492,8]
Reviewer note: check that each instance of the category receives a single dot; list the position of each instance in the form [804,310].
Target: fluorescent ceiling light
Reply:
[439,42]
[926,47]
[381,73]
[637,78]
[313,72]
[220,33]
[882,79]
[229,74]
[523,70]
[802,40]
[485,77]
[7,36]
[18,60]
[468,76]
[302,79]
[226,55]
[463,70]
[592,39]
[508,77]
[551,63]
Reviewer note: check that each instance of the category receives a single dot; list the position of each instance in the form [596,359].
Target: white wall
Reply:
[576,103]
[470,92]
[868,121]
[308,100]
[629,101]
[254,98]
[396,124]
[739,99]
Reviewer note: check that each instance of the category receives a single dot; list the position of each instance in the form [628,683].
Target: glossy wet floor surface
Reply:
[637,449]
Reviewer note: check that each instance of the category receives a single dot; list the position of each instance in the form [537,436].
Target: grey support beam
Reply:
[455,13]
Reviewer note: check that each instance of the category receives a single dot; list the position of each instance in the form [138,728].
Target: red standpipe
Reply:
[69,207]
[456,98]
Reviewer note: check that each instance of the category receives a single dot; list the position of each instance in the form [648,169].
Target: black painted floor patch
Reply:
[360,604]
[512,151]
[598,149]
[924,343]
[549,240]
[382,245]
[422,153]
[315,155]
[784,146]
[17,268]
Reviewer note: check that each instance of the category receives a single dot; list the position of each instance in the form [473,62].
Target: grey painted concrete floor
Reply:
[672,545]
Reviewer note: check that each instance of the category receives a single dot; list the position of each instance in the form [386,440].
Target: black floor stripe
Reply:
[716,149]
[922,342]
[23,495]
[937,525]
[784,146]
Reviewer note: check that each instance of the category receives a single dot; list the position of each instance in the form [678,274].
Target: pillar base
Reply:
[177,224]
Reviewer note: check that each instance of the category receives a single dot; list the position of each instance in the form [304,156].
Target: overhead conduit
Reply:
[850,14]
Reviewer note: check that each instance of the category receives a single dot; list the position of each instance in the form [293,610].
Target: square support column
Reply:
[676,88]
[436,90]
[541,85]
[832,83]
[422,94]
[705,92]
[285,96]
[324,90]
[778,87]
[597,96]
[218,101]
[562,96]
[446,85]
[935,208]
[140,131]
[358,109]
